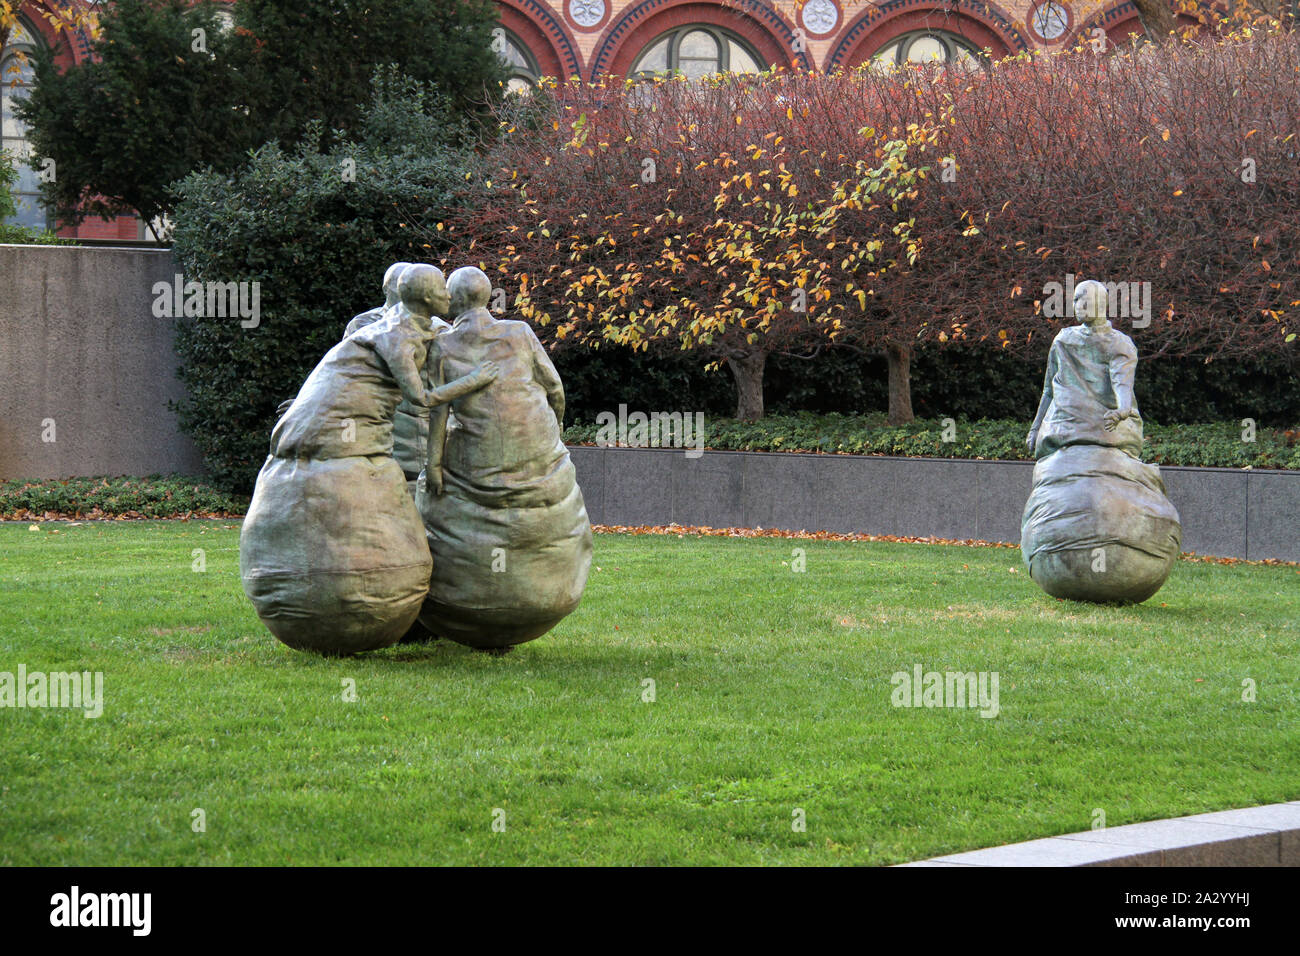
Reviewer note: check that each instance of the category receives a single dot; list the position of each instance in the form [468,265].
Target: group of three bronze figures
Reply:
[418,485]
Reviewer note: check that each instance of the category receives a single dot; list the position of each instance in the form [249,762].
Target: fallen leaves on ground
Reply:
[704,531]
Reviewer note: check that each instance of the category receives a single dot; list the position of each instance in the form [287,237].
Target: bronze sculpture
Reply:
[1097,525]
[332,552]
[501,505]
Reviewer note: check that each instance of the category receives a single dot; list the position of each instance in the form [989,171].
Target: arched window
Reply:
[519,60]
[929,46]
[17,72]
[697,51]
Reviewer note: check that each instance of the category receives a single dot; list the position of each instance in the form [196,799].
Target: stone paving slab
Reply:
[1253,836]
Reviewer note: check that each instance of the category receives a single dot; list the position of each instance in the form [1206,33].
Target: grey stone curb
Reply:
[1254,836]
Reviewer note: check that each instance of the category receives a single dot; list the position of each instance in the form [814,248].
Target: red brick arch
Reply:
[545,34]
[757,23]
[69,47]
[1119,21]
[981,24]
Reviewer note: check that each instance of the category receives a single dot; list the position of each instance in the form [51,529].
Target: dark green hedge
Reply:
[1209,445]
[963,383]
[157,496]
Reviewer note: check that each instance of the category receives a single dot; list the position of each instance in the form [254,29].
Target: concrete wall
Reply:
[80,345]
[1225,512]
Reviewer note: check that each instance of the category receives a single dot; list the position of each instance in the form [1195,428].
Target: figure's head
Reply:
[391,278]
[423,290]
[470,288]
[1090,302]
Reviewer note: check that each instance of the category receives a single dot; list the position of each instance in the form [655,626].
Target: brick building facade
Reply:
[589,38]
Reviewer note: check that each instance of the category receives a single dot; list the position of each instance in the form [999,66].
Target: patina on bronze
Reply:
[410,422]
[1097,526]
[499,497]
[332,553]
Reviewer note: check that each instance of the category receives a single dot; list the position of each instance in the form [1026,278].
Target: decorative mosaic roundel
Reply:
[820,16]
[1050,20]
[587,13]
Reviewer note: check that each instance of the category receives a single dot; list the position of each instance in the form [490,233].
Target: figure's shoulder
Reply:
[392,335]
[349,351]
[361,320]
[1067,336]
[1122,345]
[517,331]
[368,330]
[514,327]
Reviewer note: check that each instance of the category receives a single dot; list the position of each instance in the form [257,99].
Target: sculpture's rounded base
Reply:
[1098,527]
[505,575]
[339,613]
[1109,574]
[488,629]
[332,554]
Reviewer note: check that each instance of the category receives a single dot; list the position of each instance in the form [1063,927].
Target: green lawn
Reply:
[773,693]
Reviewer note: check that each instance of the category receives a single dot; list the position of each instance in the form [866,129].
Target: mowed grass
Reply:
[772,694]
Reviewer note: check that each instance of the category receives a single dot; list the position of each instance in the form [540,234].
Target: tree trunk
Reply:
[748,372]
[1157,17]
[899,358]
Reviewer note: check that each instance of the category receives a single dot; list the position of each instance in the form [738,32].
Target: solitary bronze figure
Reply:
[1097,525]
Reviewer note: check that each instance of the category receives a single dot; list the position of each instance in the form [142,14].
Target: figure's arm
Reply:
[548,378]
[1123,372]
[405,357]
[408,355]
[1045,402]
[481,377]
[437,430]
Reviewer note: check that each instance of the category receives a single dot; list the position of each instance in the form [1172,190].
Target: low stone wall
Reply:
[1225,512]
[86,371]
